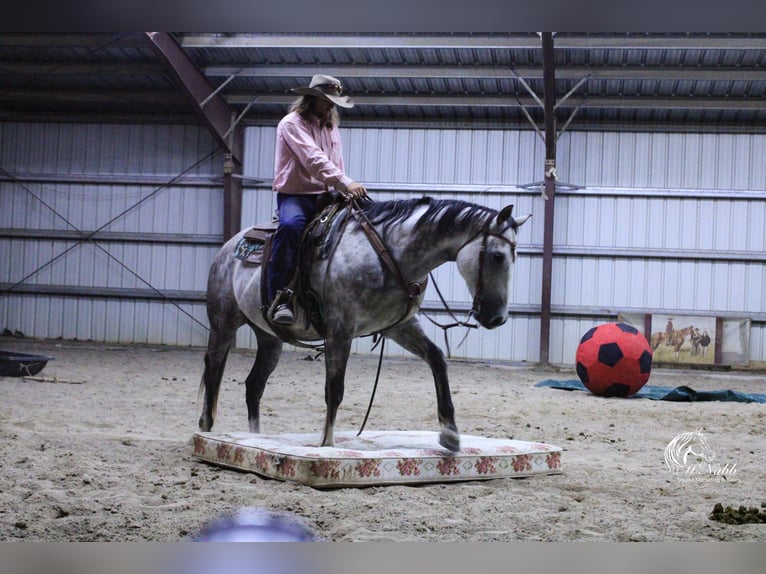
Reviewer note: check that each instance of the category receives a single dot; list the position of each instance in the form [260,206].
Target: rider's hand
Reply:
[355,190]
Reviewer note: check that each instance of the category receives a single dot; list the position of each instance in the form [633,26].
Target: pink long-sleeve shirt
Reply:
[308,157]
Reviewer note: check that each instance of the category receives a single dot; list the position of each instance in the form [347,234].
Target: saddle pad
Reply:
[251,246]
[375,458]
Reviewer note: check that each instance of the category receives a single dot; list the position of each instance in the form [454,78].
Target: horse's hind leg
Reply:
[411,336]
[218,345]
[224,318]
[266,359]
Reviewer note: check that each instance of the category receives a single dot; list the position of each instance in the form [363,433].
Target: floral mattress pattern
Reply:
[375,457]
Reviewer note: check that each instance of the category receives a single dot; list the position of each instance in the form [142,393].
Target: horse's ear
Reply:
[518,222]
[505,214]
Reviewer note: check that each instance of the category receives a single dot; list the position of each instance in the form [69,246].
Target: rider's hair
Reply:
[303,106]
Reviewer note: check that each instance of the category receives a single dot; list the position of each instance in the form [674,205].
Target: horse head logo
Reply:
[686,451]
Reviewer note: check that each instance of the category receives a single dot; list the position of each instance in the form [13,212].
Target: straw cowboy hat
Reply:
[327,88]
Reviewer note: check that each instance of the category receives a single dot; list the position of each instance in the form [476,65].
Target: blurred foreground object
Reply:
[256,525]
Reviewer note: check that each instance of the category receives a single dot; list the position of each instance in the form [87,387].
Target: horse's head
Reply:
[485,263]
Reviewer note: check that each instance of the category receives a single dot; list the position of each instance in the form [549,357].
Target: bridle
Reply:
[414,289]
[486,233]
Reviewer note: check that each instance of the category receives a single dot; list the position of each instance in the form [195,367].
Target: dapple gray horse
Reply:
[361,296]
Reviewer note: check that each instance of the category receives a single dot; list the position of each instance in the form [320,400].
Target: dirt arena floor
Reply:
[98,449]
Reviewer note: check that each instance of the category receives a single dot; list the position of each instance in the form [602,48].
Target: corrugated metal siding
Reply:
[663,160]
[484,167]
[111,178]
[664,222]
[681,214]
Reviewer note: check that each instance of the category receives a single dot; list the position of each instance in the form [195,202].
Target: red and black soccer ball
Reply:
[614,360]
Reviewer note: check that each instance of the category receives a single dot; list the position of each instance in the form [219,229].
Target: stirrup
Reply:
[282,296]
[283,315]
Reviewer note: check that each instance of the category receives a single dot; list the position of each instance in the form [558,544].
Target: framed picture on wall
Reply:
[723,341]
[683,339]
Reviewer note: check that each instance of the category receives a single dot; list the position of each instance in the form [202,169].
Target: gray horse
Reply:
[360,295]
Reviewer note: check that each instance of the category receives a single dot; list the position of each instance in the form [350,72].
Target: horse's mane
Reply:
[447,214]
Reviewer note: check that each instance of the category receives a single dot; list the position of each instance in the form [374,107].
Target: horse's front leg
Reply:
[336,358]
[411,336]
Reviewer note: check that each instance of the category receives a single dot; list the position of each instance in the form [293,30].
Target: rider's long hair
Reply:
[303,106]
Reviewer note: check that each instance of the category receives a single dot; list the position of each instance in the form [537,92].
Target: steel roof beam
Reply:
[81,68]
[642,102]
[563,72]
[85,40]
[216,113]
[393,100]
[92,96]
[339,41]
[475,41]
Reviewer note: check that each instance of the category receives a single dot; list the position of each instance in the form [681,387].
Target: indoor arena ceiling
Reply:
[642,81]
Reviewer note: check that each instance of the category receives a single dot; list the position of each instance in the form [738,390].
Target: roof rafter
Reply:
[656,102]
[493,72]
[474,41]
[52,67]
[593,102]
[211,107]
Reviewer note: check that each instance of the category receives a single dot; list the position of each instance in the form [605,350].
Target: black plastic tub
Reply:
[13,364]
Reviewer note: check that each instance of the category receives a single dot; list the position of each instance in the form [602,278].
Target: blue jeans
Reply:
[295,212]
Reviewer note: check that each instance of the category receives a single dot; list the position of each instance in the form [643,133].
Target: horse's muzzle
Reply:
[493,322]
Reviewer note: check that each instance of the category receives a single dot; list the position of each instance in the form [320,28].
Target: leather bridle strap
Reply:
[485,233]
[412,288]
[479,295]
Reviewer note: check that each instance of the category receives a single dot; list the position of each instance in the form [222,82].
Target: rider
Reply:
[308,161]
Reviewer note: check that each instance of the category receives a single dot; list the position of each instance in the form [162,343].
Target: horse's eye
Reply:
[497,256]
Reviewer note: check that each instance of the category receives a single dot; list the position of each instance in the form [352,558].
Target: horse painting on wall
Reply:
[683,339]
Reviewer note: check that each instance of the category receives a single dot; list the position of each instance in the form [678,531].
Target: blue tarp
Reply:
[682,394]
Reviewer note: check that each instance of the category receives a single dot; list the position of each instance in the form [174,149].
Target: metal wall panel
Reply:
[150,189]
[485,167]
[663,222]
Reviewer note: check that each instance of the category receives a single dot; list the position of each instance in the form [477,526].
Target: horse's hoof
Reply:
[450,440]
[327,440]
[204,424]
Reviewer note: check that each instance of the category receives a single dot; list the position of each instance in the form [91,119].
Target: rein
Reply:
[486,234]
[479,287]
[413,289]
